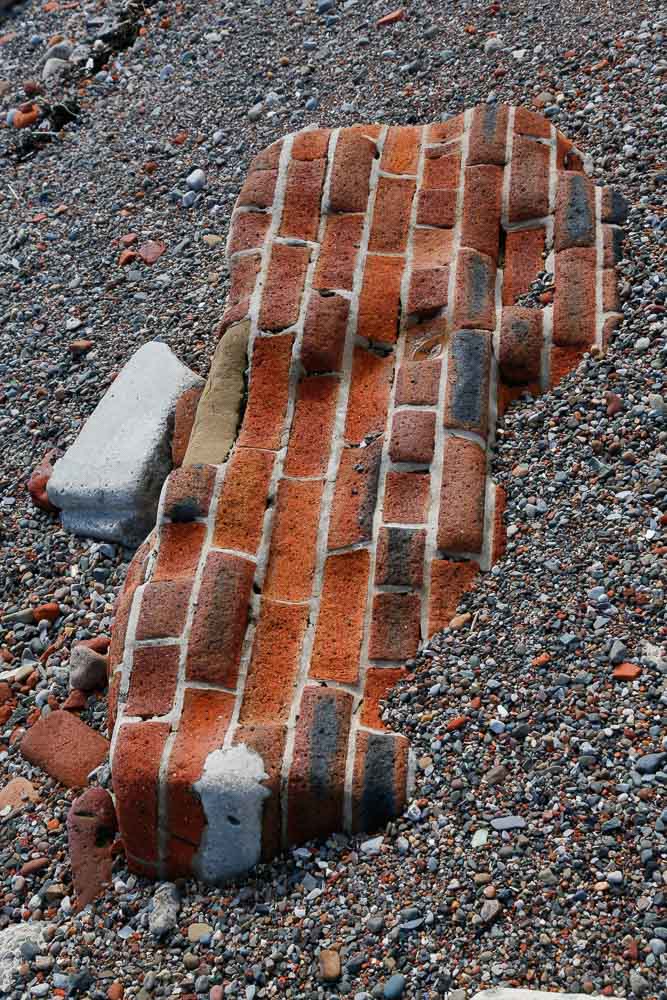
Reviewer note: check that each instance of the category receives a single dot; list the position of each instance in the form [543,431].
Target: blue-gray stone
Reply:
[394,987]
[508,823]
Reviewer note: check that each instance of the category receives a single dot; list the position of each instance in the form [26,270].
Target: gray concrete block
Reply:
[108,483]
[498,993]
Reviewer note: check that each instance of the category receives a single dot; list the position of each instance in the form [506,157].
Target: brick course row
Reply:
[283,592]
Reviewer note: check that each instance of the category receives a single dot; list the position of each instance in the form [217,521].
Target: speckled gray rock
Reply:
[11,940]
[108,483]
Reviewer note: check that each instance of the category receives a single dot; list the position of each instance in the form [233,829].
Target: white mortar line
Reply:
[599,256]
[547,341]
[126,666]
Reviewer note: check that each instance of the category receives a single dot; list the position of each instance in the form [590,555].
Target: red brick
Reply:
[258,189]
[289,574]
[153,680]
[400,557]
[340,623]
[268,393]
[611,301]
[269,743]
[426,339]
[574,298]
[391,18]
[442,168]
[474,294]
[412,436]
[281,298]
[317,775]
[406,497]
[508,394]
[350,174]
[446,131]
[467,393]
[184,418]
[136,768]
[429,282]
[311,144]
[65,747]
[249,230]
[219,623]
[437,207]
[355,495]
[563,361]
[338,253]
[122,610]
[369,394]
[480,224]
[312,426]
[613,207]
[243,274]
[243,501]
[520,348]
[461,519]
[204,721]
[267,159]
[418,383]
[528,123]
[529,180]
[180,548]
[324,333]
[274,664]
[303,192]
[574,224]
[432,247]
[391,217]
[379,780]
[609,327]
[189,492]
[626,672]
[612,246]
[401,150]
[395,627]
[488,134]
[567,157]
[449,582]
[164,607]
[379,682]
[523,262]
[379,302]
[499,528]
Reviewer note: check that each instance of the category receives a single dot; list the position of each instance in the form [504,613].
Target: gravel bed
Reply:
[516,717]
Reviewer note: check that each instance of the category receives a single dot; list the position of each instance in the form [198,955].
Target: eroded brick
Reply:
[480,223]
[467,394]
[520,347]
[219,623]
[269,742]
[249,231]
[243,274]
[289,574]
[312,426]
[574,297]
[611,300]
[418,383]
[524,250]
[267,159]
[379,682]
[379,780]
[179,552]
[412,436]
[274,664]
[449,582]
[258,189]
[317,774]
[355,495]
[614,207]
[446,131]
[281,299]
[240,515]
[442,168]
[612,245]
[400,557]
[563,361]
[437,207]
[529,180]
[529,123]
[369,394]
[311,144]
[189,492]
[379,302]
[153,681]
[164,607]
[340,621]
[488,134]
[406,497]
[474,294]
[391,217]
[395,627]
[268,391]
[401,150]
[461,517]
[575,211]
[324,333]
[136,767]
[350,174]
[301,208]
[338,254]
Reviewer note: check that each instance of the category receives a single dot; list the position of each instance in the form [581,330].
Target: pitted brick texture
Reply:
[382,272]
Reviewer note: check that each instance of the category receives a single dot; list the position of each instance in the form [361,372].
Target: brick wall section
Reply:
[284,591]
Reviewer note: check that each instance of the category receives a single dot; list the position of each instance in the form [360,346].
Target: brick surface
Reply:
[289,574]
[219,623]
[339,631]
[312,426]
[284,286]
[243,500]
[317,775]
[264,417]
[412,437]
[467,392]
[355,495]
[324,332]
[274,663]
[520,347]
[461,519]
[307,564]
[184,418]
[301,209]
[379,302]
[65,747]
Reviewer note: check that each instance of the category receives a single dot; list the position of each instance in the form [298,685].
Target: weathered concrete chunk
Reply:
[108,483]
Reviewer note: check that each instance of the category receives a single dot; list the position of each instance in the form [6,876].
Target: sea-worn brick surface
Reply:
[380,273]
